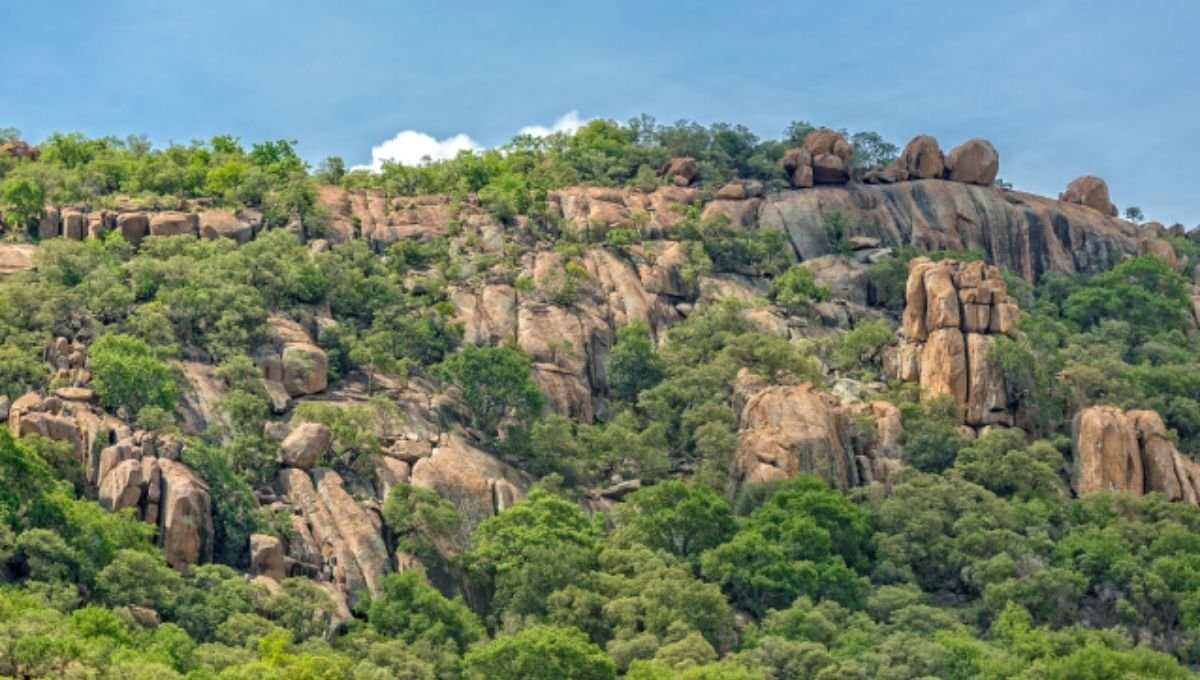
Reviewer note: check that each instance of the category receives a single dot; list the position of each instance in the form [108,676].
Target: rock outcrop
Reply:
[953,311]
[161,491]
[1091,192]
[682,171]
[305,445]
[975,161]
[15,257]
[922,158]
[477,484]
[290,361]
[1117,450]
[785,430]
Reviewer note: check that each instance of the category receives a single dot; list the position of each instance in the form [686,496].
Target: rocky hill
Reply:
[846,325]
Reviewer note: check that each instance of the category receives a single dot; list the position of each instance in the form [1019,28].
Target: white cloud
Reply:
[412,147]
[568,122]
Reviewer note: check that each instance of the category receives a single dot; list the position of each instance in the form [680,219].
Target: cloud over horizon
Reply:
[413,147]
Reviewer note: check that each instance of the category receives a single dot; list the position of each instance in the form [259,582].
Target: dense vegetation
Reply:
[974,561]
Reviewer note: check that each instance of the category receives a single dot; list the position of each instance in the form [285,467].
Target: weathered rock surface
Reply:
[290,358]
[785,430]
[305,445]
[15,257]
[1117,450]
[267,557]
[162,492]
[1028,234]
[975,161]
[953,311]
[922,158]
[1091,192]
[683,170]
[468,478]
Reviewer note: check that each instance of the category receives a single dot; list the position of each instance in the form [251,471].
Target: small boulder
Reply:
[305,445]
[923,158]
[830,168]
[1089,191]
[684,170]
[975,161]
[267,557]
[797,163]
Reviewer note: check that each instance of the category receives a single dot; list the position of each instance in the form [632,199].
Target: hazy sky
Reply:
[1061,88]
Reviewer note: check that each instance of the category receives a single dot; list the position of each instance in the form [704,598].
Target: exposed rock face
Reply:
[224,224]
[305,445]
[1130,451]
[683,170]
[1091,192]
[1028,234]
[18,148]
[267,557]
[826,141]
[15,257]
[161,491]
[785,430]
[952,313]
[1160,248]
[342,536]
[828,168]
[173,223]
[923,158]
[291,360]
[133,226]
[797,163]
[975,161]
[468,478]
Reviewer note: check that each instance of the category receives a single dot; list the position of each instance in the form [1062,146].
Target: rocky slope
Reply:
[953,313]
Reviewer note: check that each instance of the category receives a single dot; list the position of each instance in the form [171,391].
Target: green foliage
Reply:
[633,366]
[126,374]
[540,653]
[420,518]
[796,289]
[539,545]
[1142,291]
[682,519]
[411,610]
[931,437]
[862,345]
[22,201]
[496,384]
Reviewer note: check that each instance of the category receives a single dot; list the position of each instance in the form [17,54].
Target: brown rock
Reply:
[913,318]
[133,226]
[944,365]
[185,527]
[829,168]
[267,557]
[987,398]
[173,223]
[684,170]
[797,163]
[826,141]
[224,224]
[1107,456]
[732,191]
[1091,192]
[922,158]
[975,161]
[941,298]
[15,257]
[18,148]
[460,473]
[1160,248]
[74,224]
[305,445]
[789,429]
[49,224]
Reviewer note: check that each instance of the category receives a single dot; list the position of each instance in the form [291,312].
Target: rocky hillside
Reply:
[368,386]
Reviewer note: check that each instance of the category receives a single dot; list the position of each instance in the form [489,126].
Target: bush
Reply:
[496,383]
[796,289]
[126,374]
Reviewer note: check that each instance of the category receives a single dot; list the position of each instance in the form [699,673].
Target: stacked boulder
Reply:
[953,313]
[291,363]
[1117,450]
[142,472]
[824,158]
[789,429]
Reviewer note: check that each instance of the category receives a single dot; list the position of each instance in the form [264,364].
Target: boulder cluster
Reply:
[953,312]
[1118,450]
[135,223]
[788,429]
[18,148]
[826,158]
[1091,192]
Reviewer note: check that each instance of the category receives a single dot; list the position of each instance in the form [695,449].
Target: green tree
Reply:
[633,365]
[125,373]
[414,611]
[22,201]
[540,653]
[796,289]
[496,383]
[682,519]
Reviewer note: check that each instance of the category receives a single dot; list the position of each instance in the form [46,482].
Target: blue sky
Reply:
[1061,88]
